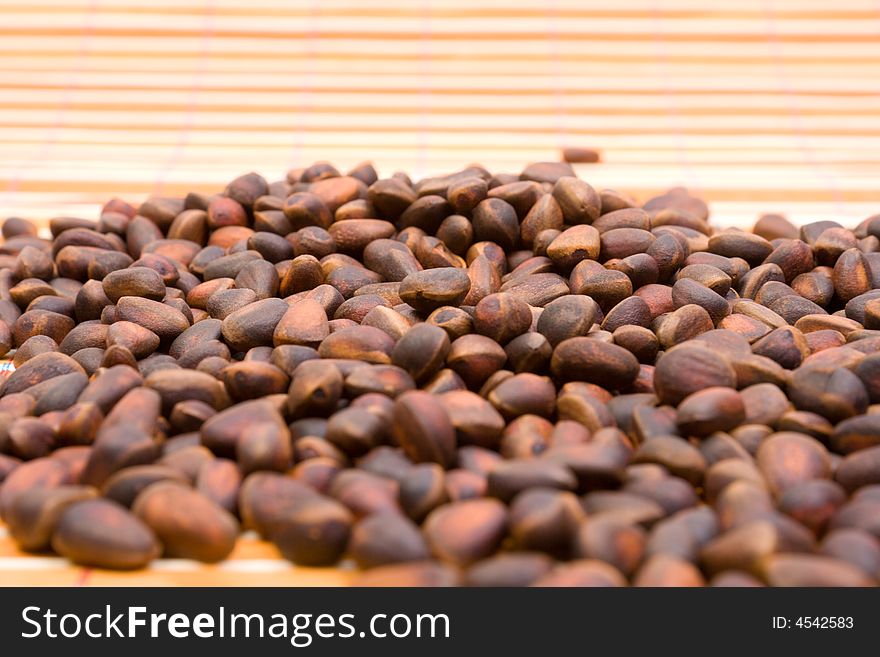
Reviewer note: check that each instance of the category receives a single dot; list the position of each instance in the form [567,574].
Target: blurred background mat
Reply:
[756,104]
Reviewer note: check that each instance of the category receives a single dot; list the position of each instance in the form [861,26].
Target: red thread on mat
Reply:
[193,101]
[83,577]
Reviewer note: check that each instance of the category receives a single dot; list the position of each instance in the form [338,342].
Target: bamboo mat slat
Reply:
[757,105]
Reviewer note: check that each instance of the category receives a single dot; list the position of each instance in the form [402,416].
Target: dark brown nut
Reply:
[426,213]
[386,538]
[812,502]
[353,235]
[734,243]
[252,379]
[861,468]
[140,341]
[675,454]
[708,275]
[85,335]
[455,321]
[611,540]
[391,196]
[743,548]
[115,448]
[306,209]
[356,430]
[525,437]
[34,514]
[495,220]
[751,329]
[764,404]
[623,242]
[266,446]
[545,214]
[364,343]
[259,276]
[318,472]
[524,394]
[39,473]
[579,202]
[633,311]
[124,486]
[134,282]
[813,570]
[289,357]
[387,320]
[41,322]
[33,263]
[855,546]
[641,268]
[314,531]
[484,280]
[304,323]
[110,386]
[537,289]
[265,497]
[529,352]
[666,571]
[786,459]
[365,493]
[475,358]
[669,251]
[421,351]
[187,523]
[685,323]
[223,303]
[597,464]
[28,438]
[254,325]
[811,424]
[710,410]
[465,193]
[177,385]
[475,420]
[189,415]
[582,572]
[386,380]
[521,194]
[422,489]
[38,369]
[688,369]
[163,320]
[567,317]
[104,534]
[639,341]
[303,274]
[502,317]
[467,531]
[432,288]
[834,393]
[574,245]
[509,569]
[512,477]
[545,519]
[423,429]
[315,389]
[593,361]
[852,275]
[687,291]
[775,226]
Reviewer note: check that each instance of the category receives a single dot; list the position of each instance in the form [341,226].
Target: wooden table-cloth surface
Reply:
[758,105]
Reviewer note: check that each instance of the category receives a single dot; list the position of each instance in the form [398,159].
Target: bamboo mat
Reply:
[757,105]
